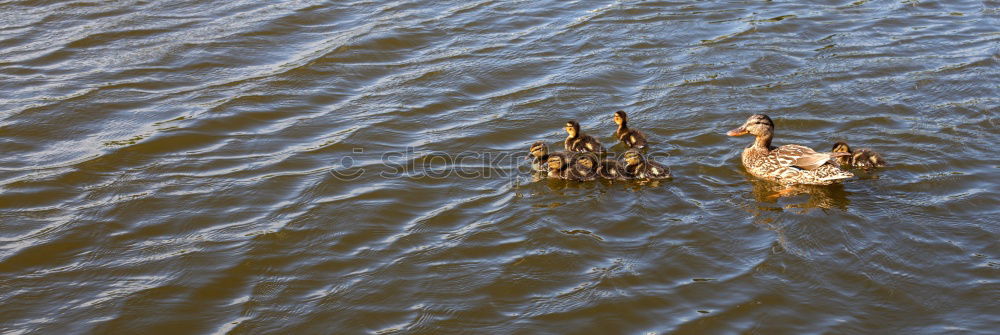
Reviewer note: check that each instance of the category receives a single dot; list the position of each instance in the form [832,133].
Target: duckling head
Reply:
[556,163]
[757,125]
[538,150]
[841,147]
[572,128]
[632,157]
[585,161]
[620,118]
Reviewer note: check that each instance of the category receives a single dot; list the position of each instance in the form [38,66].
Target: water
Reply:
[169,167]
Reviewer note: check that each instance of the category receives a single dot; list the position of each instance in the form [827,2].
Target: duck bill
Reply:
[737,132]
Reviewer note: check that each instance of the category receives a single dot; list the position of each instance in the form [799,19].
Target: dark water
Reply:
[168,167]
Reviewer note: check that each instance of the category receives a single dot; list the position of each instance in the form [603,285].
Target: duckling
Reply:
[577,141]
[557,164]
[865,159]
[636,166]
[788,164]
[611,169]
[582,167]
[539,156]
[631,138]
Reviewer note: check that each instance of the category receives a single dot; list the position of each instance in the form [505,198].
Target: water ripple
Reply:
[173,166]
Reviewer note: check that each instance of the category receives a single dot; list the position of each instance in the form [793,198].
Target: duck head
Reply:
[556,163]
[632,157]
[620,118]
[757,125]
[538,150]
[572,128]
[841,147]
[585,162]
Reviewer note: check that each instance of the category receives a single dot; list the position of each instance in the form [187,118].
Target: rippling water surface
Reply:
[170,167]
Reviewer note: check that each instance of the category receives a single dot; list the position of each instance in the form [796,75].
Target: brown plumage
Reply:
[638,167]
[582,167]
[577,141]
[864,158]
[787,164]
[557,164]
[611,169]
[574,166]
[631,138]
[539,156]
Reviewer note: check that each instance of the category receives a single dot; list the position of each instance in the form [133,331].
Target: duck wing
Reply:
[633,139]
[589,144]
[803,157]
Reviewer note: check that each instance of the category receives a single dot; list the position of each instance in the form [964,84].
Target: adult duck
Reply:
[788,164]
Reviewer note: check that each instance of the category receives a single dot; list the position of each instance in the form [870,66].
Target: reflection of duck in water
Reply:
[788,164]
[771,213]
[823,197]
[864,158]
